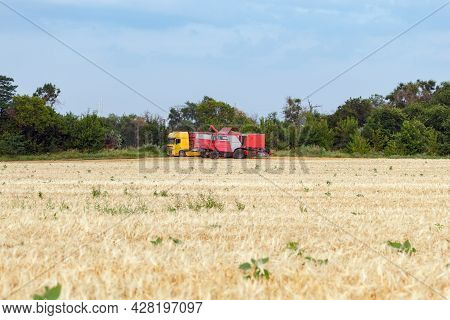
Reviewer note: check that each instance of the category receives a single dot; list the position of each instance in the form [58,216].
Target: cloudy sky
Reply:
[251,54]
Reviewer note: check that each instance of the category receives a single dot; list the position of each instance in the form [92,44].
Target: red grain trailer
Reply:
[228,143]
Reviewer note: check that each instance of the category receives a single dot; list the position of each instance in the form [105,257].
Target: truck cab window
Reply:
[178,141]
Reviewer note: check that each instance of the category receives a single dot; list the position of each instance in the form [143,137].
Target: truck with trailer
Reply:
[226,143]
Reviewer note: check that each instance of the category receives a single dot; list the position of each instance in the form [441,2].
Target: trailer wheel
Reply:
[182,154]
[238,154]
[214,155]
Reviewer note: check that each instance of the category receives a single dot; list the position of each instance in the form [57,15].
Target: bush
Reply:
[382,125]
[345,129]
[358,144]
[12,144]
[443,139]
[316,132]
[151,149]
[393,148]
[311,151]
[90,133]
[415,138]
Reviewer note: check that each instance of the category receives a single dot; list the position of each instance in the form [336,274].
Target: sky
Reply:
[251,54]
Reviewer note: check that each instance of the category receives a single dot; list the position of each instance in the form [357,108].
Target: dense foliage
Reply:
[413,119]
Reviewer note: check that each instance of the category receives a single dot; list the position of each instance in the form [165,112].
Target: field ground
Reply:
[89,225]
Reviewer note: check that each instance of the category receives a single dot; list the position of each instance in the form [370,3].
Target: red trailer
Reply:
[255,145]
[228,143]
[199,141]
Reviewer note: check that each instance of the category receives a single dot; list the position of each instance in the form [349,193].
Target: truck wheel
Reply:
[204,154]
[182,154]
[238,154]
[214,155]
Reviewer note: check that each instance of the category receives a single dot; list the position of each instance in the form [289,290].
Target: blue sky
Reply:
[251,54]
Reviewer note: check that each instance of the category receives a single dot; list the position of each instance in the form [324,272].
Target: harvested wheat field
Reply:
[129,230]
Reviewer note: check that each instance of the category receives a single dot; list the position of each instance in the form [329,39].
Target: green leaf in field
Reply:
[49,294]
[439,226]
[396,245]
[253,270]
[245,266]
[405,247]
[292,246]
[176,241]
[316,261]
[156,241]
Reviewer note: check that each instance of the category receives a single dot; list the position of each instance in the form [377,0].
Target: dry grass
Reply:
[89,225]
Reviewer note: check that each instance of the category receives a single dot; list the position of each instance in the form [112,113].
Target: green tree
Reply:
[7,92]
[294,112]
[49,93]
[154,132]
[436,116]
[38,123]
[344,130]
[431,115]
[442,94]
[90,133]
[272,127]
[382,124]
[128,127]
[316,132]
[415,138]
[199,116]
[210,111]
[250,127]
[357,108]
[174,118]
[393,147]
[377,100]
[182,118]
[443,140]
[406,93]
[358,144]
[69,127]
[13,144]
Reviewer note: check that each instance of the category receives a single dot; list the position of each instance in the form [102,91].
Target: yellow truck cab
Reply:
[178,145]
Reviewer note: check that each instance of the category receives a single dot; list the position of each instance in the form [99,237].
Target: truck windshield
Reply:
[171,141]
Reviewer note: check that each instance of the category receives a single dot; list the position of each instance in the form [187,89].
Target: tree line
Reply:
[413,119]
